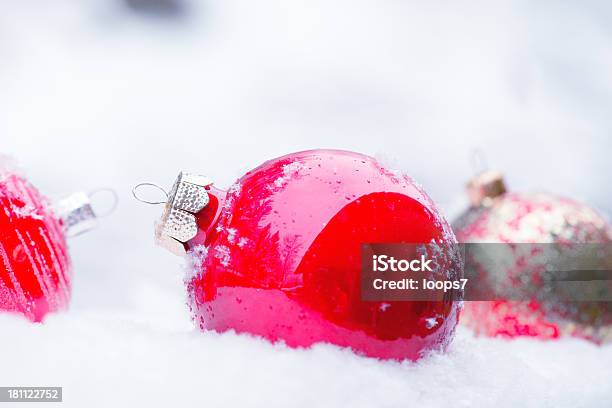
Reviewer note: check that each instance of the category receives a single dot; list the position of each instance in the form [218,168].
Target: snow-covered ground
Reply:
[93,95]
[106,360]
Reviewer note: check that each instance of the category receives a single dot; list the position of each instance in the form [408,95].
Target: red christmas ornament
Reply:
[497,216]
[278,254]
[35,269]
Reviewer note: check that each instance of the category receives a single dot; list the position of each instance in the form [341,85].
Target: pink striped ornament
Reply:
[35,267]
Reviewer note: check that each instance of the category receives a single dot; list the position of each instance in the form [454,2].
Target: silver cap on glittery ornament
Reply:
[76,213]
[177,225]
[485,187]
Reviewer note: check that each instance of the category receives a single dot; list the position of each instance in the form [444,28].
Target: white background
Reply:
[95,95]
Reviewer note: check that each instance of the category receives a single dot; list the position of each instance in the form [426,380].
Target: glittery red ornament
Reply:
[497,216]
[278,254]
[34,261]
[35,267]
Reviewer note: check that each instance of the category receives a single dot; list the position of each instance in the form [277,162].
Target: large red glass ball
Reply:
[279,256]
[536,218]
[34,262]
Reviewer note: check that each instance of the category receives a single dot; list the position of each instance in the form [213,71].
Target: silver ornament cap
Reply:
[178,224]
[485,187]
[76,213]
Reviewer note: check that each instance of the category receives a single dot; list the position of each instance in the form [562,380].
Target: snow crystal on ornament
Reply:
[289,170]
[27,211]
[232,194]
[242,242]
[194,261]
[233,191]
[384,306]
[231,235]
[222,253]
[226,210]
[431,322]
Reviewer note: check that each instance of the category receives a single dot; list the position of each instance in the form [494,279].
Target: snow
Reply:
[93,95]
[289,171]
[431,322]
[116,361]
[223,253]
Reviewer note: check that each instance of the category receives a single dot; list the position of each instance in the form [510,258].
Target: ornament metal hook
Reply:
[78,214]
[142,200]
[479,161]
[178,223]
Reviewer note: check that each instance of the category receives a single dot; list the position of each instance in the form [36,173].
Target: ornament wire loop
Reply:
[142,200]
[479,161]
[113,206]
